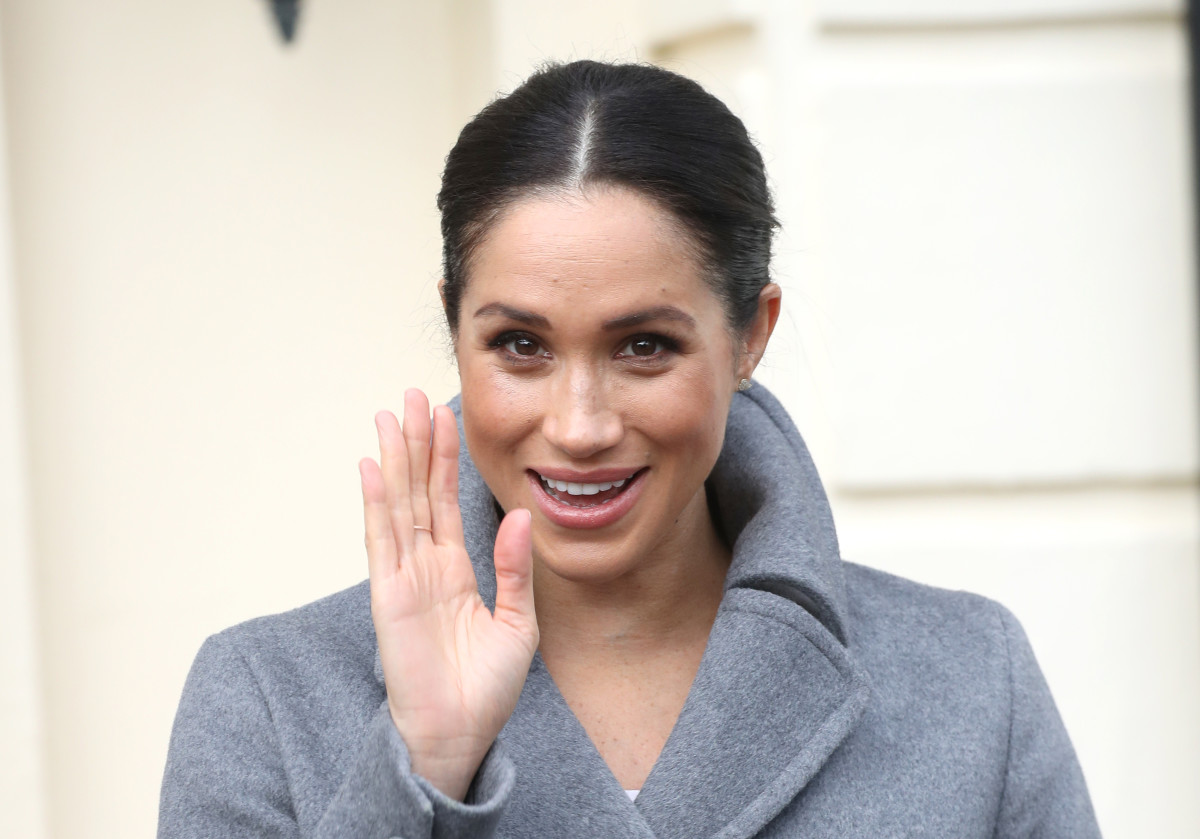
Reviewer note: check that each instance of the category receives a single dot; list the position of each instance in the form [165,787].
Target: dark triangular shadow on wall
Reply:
[286,14]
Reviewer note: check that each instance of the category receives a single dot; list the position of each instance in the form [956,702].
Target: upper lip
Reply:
[592,476]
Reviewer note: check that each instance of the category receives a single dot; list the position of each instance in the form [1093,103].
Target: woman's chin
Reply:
[582,562]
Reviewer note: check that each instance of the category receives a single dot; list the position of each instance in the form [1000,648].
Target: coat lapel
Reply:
[774,697]
[564,787]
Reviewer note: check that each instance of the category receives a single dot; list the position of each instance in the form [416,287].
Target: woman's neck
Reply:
[668,601]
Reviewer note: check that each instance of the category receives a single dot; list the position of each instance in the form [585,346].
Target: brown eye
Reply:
[642,346]
[523,345]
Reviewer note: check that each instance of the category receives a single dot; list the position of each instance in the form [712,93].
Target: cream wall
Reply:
[225,257]
[22,791]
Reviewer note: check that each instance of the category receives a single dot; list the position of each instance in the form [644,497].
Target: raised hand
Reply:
[453,669]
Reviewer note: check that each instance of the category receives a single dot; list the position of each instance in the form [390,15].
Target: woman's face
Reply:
[597,370]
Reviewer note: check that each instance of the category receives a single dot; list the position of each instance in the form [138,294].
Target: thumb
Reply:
[514,570]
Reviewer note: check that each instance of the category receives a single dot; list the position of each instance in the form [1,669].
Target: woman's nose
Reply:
[580,420]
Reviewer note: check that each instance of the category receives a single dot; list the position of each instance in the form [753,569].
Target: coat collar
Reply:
[773,510]
[778,688]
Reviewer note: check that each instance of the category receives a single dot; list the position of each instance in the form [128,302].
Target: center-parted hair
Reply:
[571,126]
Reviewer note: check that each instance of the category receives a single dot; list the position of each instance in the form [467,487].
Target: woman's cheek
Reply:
[499,412]
[697,411]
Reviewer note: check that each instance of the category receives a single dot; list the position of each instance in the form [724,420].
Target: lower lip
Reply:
[586,518]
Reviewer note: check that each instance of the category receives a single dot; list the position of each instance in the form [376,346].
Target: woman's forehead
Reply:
[610,248]
[596,223]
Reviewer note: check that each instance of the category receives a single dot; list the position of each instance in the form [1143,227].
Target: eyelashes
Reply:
[523,348]
[637,345]
[520,347]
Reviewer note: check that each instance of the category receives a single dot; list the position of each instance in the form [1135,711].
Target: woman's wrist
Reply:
[448,764]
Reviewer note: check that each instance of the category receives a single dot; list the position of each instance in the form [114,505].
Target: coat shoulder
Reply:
[322,642]
[951,648]
[884,606]
[954,675]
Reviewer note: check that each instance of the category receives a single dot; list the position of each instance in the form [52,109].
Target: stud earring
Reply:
[743,385]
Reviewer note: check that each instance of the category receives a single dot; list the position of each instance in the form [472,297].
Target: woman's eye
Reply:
[523,345]
[644,346]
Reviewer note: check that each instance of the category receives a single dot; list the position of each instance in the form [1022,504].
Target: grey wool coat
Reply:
[833,701]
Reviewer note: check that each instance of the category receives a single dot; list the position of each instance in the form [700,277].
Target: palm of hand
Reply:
[453,670]
[430,623]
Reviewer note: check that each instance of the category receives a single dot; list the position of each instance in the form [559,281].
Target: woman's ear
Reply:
[758,333]
[450,331]
[445,311]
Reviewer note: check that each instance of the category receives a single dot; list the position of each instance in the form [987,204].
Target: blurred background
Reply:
[218,257]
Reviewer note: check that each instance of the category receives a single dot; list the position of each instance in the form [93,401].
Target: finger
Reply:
[514,571]
[417,431]
[443,479]
[381,543]
[393,462]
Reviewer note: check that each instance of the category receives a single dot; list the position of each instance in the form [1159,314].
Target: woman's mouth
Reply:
[581,494]
[587,504]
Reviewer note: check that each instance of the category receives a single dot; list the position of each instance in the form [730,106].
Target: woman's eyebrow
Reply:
[656,313]
[519,315]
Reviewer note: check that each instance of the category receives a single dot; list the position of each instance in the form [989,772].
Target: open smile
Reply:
[586,503]
[583,494]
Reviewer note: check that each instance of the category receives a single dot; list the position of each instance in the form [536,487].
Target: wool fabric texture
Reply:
[833,701]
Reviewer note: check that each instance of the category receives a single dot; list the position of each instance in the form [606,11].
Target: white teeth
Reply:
[581,489]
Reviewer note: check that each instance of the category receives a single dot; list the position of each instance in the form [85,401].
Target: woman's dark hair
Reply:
[637,126]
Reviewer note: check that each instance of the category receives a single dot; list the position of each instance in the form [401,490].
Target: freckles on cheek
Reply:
[692,403]
[497,413]
[697,422]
